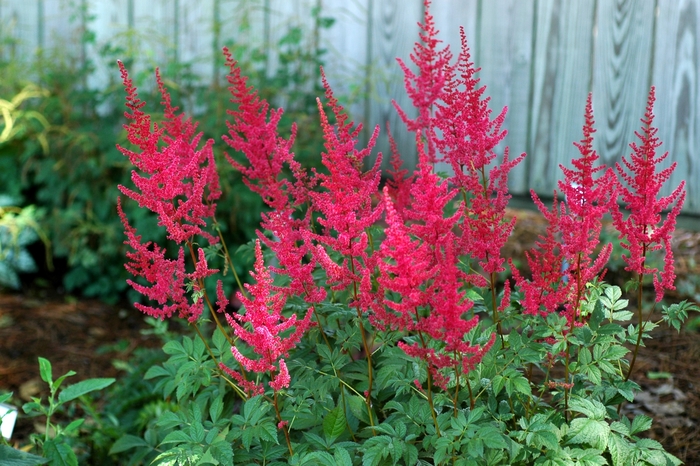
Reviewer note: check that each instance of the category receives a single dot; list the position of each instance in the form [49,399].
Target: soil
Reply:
[86,336]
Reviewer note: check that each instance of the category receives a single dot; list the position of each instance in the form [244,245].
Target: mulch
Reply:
[86,336]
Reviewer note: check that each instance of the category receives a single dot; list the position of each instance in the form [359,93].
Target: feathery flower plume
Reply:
[468,142]
[425,88]
[643,231]
[265,330]
[253,131]
[567,258]
[345,198]
[180,184]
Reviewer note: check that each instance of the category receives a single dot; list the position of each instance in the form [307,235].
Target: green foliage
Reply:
[19,227]
[58,442]
[57,143]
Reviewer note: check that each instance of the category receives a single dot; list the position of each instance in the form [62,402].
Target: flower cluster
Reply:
[440,238]
[179,183]
[266,330]
[643,231]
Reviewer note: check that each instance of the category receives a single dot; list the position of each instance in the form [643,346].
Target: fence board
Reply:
[623,53]
[561,76]
[538,58]
[675,76]
[504,54]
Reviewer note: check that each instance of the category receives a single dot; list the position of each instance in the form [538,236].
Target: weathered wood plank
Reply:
[675,75]
[21,20]
[346,42]
[394,31]
[504,53]
[195,36]
[562,75]
[622,64]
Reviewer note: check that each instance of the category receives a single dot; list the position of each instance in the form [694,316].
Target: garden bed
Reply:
[86,336]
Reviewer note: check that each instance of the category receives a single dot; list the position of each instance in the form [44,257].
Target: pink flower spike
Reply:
[643,230]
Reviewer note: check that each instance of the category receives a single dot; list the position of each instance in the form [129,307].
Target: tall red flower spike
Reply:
[425,88]
[179,183]
[567,258]
[253,131]
[265,330]
[468,143]
[643,231]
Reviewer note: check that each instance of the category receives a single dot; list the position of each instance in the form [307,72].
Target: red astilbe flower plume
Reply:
[567,258]
[643,231]
[469,138]
[545,291]
[425,298]
[253,131]
[345,198]
[588,198]
[265,330]
[426,88]
[180,184]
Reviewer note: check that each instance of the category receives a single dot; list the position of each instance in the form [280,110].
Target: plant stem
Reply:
[368,350]
[284,427]
[640,324]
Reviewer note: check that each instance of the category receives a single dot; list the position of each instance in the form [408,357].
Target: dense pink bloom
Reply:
[468,142]
[253,131]
[179,183]
[427,87]
[567,257]
[345,197]
[643,230]
[264,329]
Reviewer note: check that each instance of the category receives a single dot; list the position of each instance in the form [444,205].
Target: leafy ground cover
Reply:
[88,337]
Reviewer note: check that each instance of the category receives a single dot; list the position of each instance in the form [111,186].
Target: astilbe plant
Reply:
[369,338]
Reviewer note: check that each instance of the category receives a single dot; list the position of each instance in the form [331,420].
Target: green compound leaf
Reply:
[334,423]
[590,432]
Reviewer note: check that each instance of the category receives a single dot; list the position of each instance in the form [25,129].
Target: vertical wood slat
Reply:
[561,75]
[505,56]
[540,62]
[675,75]
[393,32]
[623,60]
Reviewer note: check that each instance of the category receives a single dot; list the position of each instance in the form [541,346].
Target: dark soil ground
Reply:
[84,336]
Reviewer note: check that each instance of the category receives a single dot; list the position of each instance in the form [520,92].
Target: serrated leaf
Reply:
[176,436]
[127,442]
[216,408]
[623,316]
[173,347]
[334,423]
[156,371]
[640,423]
[268,431]
[358,408]
[613,293]
[342,457]
[619,450]
[81,388]
[589,432]
[73,426]
[59,454]
[197,432]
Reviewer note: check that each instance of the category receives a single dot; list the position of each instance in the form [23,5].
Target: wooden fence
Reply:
[538,57]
